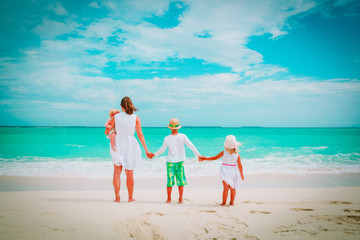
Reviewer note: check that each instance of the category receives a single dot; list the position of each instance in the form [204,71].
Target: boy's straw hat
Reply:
[230,142]
[174,123]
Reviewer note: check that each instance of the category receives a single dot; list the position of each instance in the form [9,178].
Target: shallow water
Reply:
[84,151]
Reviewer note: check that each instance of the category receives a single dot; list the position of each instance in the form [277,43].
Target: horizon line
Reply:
[182,127]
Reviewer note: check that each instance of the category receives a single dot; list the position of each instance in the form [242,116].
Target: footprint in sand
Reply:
[339,219]
[353,219]
[205,213]
[302,209]
[53,214]
[136,228]
[249,237]
[315,224]
[238,222]
[212,228]
[253,202]
[261,212]
[154,213]
[352,210]
[57,229]
[208,211]
[11,210]
[339,202]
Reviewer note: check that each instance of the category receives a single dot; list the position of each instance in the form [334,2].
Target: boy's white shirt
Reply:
[176,147]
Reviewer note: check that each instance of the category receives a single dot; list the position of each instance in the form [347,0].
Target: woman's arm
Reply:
[140,134]
[240,167]
[111,124]
[212,158]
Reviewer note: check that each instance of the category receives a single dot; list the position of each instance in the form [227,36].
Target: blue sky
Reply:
[209,63]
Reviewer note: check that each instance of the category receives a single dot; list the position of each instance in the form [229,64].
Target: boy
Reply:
[175,159]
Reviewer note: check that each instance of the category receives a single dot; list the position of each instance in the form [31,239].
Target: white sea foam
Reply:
[275,163]
[74,145]
[314,148]
[250,149]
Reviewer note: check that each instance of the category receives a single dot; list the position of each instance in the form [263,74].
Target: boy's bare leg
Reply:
[181,191]
[168,190]
[232,196]
[225,193]
[112,141]
[130,183]
[116,182]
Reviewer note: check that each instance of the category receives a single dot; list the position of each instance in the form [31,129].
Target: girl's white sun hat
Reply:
[230,142]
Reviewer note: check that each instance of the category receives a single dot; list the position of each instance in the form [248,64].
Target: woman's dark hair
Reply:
[127,104]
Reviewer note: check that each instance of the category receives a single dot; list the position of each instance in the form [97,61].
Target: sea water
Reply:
[84,151]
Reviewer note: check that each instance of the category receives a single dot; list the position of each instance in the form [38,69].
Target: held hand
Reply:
[150,155]
[201,158]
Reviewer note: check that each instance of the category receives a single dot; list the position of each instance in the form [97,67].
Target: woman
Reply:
[128,152]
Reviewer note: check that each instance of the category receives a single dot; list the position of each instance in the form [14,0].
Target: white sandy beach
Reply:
[57,208]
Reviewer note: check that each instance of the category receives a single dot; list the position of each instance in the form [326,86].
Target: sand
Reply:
[65,208]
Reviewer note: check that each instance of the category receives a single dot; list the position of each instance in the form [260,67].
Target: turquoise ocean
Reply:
[84,151]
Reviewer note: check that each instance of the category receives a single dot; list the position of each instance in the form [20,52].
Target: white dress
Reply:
[128,152]
[229,170]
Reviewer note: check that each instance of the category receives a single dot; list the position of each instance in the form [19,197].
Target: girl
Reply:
[231,168]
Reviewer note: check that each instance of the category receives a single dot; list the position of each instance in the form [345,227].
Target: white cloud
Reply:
[260,71]
[49,28]
[135,11]
[46,105]
[58,8]
[230,26]
[67,74]
[94,5]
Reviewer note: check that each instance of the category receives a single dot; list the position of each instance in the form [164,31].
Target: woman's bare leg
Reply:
[225,193]
[130,183]
[232,196]
[116,182]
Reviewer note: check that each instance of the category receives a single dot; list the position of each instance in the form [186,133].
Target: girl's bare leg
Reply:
[232,196]
[116,182]
[112,141]
[181,191]
[225,193]
[168,190]
[130,183]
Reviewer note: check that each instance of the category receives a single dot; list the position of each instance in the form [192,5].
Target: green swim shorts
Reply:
[175,169]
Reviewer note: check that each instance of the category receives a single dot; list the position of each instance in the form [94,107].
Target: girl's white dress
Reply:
[229,170]
[128,152]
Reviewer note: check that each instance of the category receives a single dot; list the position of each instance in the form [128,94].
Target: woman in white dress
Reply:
[128,152]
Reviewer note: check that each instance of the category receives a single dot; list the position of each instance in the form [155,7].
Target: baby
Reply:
[112,132]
